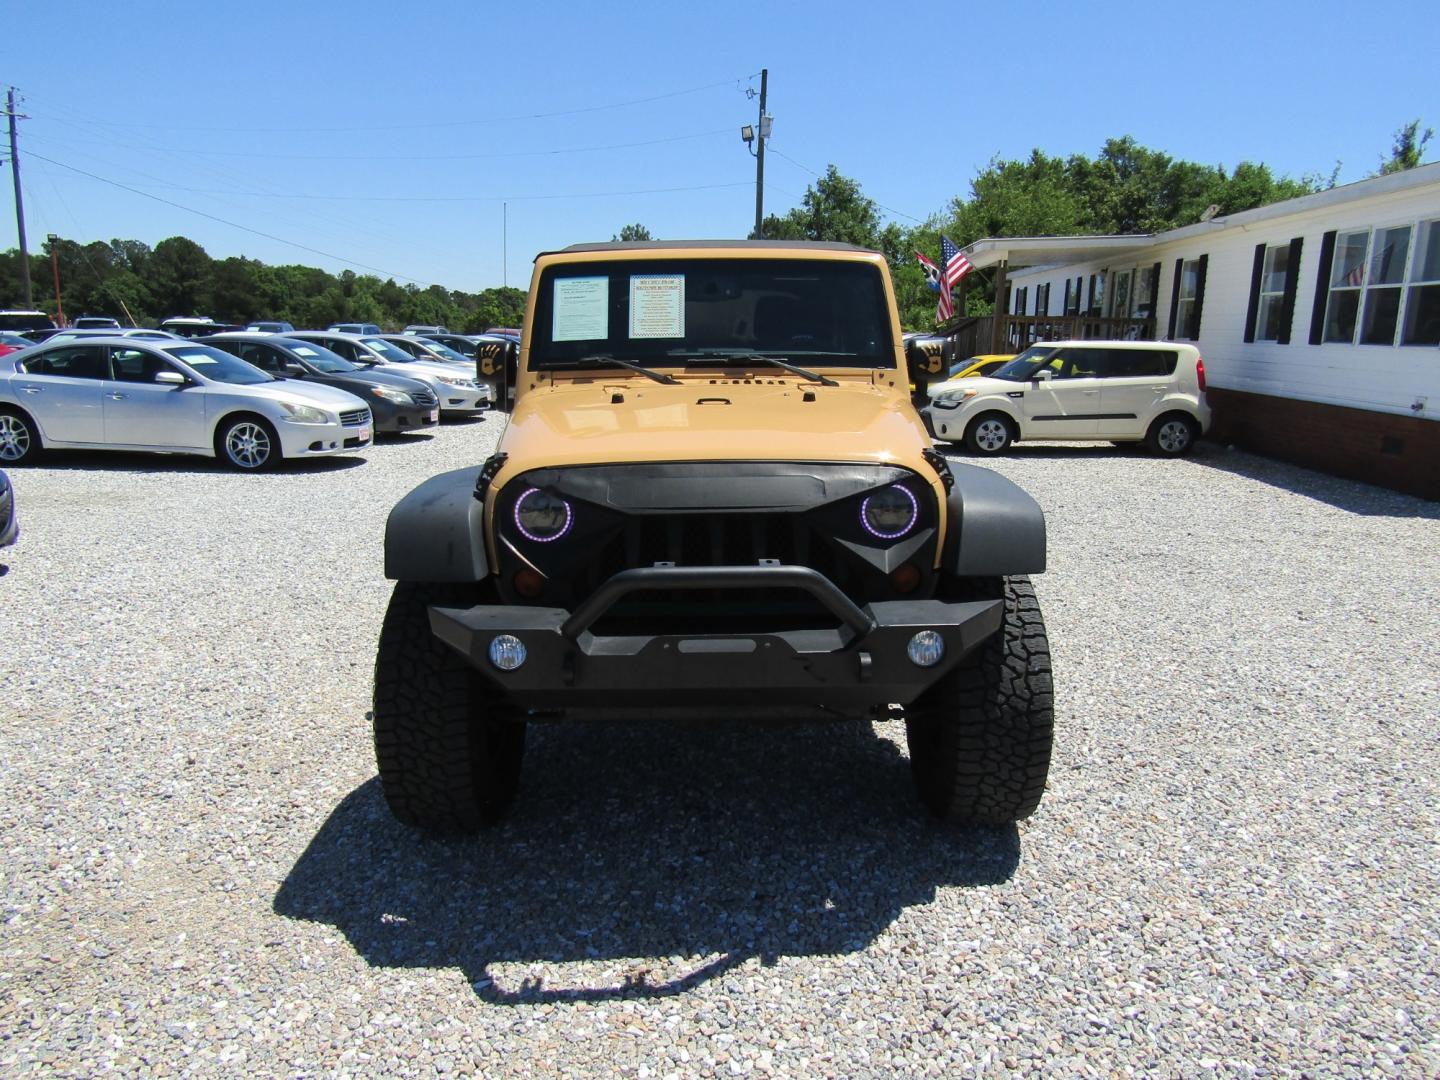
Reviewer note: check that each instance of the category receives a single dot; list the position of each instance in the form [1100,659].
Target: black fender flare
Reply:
[437,532]
[993,527]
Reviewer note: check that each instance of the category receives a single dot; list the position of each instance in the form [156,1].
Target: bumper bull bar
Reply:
[849,668]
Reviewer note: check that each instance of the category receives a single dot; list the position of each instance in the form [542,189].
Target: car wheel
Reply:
[447,746]
[980,738]
[19,439]
[247,443]
[991,433]
[1172,435]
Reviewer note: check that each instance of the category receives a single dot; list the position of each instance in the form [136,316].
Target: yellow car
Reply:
[978,365]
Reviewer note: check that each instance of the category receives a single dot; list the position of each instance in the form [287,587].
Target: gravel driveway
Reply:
[1235,868]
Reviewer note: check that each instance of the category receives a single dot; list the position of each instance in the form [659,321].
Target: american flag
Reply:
[956,264]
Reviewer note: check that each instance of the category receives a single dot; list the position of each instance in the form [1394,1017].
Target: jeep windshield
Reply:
[1025,365]
[676,313]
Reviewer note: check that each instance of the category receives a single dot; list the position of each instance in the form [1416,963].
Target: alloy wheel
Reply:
[248,445]
[1173,436]
[14,438]
[992,435]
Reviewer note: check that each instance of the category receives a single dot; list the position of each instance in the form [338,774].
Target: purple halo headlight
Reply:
[889,513]
[542,517]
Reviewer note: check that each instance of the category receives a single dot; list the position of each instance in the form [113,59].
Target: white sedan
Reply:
[177,396]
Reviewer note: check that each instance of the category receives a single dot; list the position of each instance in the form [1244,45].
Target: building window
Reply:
[1120,295]
[1096,307]
[1146,285]
[1072,295]
[1422,296]
[1022,297]
[1366,282]
[1274,273]
[1185,320]
[1042,299]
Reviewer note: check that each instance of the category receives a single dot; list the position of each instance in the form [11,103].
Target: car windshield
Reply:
[1026,364]
[320,358]
[218,366]
[15,340]
[447,352]
[695,312]
[393,353]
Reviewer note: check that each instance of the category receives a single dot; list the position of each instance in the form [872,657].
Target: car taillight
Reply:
[1200,372]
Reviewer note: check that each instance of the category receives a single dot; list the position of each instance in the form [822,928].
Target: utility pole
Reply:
[504,245]
[20,202]
[761,132]
[55,269]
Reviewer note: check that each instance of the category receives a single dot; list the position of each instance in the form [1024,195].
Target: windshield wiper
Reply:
[750,354]
[606,360]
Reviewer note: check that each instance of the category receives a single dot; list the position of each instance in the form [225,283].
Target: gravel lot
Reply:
[1235,869]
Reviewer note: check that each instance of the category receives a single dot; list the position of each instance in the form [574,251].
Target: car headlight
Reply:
[451,380]
[389,393]
[304,414]
[542,517]
[890,513]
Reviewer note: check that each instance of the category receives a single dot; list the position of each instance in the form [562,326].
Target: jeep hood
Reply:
[585,422]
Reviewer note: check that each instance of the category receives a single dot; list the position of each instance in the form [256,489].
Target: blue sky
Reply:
[390,137]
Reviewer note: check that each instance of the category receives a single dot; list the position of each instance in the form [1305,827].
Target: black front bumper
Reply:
[850,668]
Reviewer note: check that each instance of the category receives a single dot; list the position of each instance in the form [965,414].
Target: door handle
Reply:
[1090,391]
[118,397]
[31,389]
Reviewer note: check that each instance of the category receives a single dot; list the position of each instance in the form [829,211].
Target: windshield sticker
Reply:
[581,309]
[196,359]
[303,351]
[657,305]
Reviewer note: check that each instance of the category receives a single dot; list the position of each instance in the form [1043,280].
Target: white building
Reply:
[1318,318]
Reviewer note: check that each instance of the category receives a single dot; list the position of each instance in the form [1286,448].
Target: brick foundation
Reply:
[1397,452]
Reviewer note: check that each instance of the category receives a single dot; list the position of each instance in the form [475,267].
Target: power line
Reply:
[406,156]
[411,126]
[232,224]
[812,172]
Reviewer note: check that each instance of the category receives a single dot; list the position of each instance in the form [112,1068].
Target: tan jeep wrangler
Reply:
[713,495]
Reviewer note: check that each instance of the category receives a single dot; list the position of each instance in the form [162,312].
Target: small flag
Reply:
[956,264]
[932,272]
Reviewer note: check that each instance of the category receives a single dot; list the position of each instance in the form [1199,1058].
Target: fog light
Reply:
[507,652]
[926,649]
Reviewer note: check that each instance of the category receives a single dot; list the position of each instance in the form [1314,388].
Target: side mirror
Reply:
[170,378]
[295,370]
[1043,375]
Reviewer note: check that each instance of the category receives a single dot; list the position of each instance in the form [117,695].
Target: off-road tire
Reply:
[1172,435]
[990,434]
[980,738]
[447,743]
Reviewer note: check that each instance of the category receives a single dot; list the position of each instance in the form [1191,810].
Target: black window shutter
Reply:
[1155,292]
[1175,296]
[1253,312]
[1199,308]
[1287,302]
[1322,287]
[1090,295]
[1068,286]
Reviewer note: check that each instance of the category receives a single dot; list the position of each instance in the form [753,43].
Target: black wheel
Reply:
[989,433]
[980,738]
[1172,435]
[19,438]
[247,443]
[447,745]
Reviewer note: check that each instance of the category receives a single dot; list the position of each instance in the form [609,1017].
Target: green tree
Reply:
[833,208]
[632,233]
[180,277]
[1408,149]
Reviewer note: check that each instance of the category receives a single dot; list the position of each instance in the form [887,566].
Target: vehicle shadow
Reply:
[1036,451]
[463,421]
[404,438]
[140,462]
[1354,496]
[698,847]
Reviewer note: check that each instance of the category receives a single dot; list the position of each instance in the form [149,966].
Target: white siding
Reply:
[1379,377]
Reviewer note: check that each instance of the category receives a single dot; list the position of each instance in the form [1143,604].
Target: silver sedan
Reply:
[168,396]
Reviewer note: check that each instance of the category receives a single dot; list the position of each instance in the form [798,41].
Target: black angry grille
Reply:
[634,517]
[423,398]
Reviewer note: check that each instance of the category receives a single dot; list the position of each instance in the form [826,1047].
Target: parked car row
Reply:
[248,398]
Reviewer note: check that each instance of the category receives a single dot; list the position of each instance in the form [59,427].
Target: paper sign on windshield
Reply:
[657,305]
[581,309]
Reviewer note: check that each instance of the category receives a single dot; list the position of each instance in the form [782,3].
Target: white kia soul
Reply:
[1120,391]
